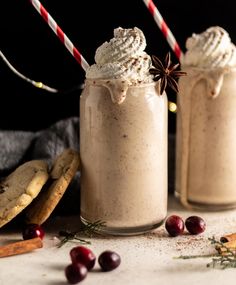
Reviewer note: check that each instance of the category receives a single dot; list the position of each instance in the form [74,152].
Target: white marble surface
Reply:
[146,259]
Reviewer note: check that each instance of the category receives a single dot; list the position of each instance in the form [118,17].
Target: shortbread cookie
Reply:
[63,170]
[19,189]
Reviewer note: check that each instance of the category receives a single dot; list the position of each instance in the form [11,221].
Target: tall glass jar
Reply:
[206,139]
[123,132]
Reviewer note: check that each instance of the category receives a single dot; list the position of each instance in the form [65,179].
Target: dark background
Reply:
[33,49]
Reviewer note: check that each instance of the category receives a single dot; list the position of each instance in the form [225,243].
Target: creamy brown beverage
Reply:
[206,122]
[123,131]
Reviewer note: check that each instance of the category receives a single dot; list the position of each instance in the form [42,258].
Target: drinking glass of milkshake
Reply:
[123,132]
[206,122]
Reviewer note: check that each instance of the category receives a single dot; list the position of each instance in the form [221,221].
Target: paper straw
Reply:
[60,34]
[164,28]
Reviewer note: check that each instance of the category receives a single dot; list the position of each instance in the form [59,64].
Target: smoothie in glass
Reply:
[206,120]
[123,131]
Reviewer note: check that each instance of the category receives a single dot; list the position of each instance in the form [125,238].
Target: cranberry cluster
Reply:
[175,225]
[83,260]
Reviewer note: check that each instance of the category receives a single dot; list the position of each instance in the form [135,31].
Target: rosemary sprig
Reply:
[88,230]
[70,236]
[196,256]
[222,259]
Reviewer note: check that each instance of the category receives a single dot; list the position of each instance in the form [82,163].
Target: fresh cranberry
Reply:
[75,272]
[195,225]
[32,231]
[82,254]
[174,225]
[109,260]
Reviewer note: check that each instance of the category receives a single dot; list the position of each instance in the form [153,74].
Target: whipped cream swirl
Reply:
[211,49]
[123,57]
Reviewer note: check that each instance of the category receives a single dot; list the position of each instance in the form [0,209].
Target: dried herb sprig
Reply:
[88,230]
[167,73]
[221,259]
[68,236]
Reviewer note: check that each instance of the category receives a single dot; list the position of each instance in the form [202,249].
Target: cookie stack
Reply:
[35,188]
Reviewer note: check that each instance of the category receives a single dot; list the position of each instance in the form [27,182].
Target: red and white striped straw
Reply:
[164,28]
[61,35]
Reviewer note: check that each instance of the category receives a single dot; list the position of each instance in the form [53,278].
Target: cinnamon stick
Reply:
[230,245]
[227,238]
[20,247]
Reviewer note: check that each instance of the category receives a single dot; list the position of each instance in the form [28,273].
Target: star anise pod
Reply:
[167,73]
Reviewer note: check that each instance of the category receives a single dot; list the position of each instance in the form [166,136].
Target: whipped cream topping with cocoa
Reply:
[123,57]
